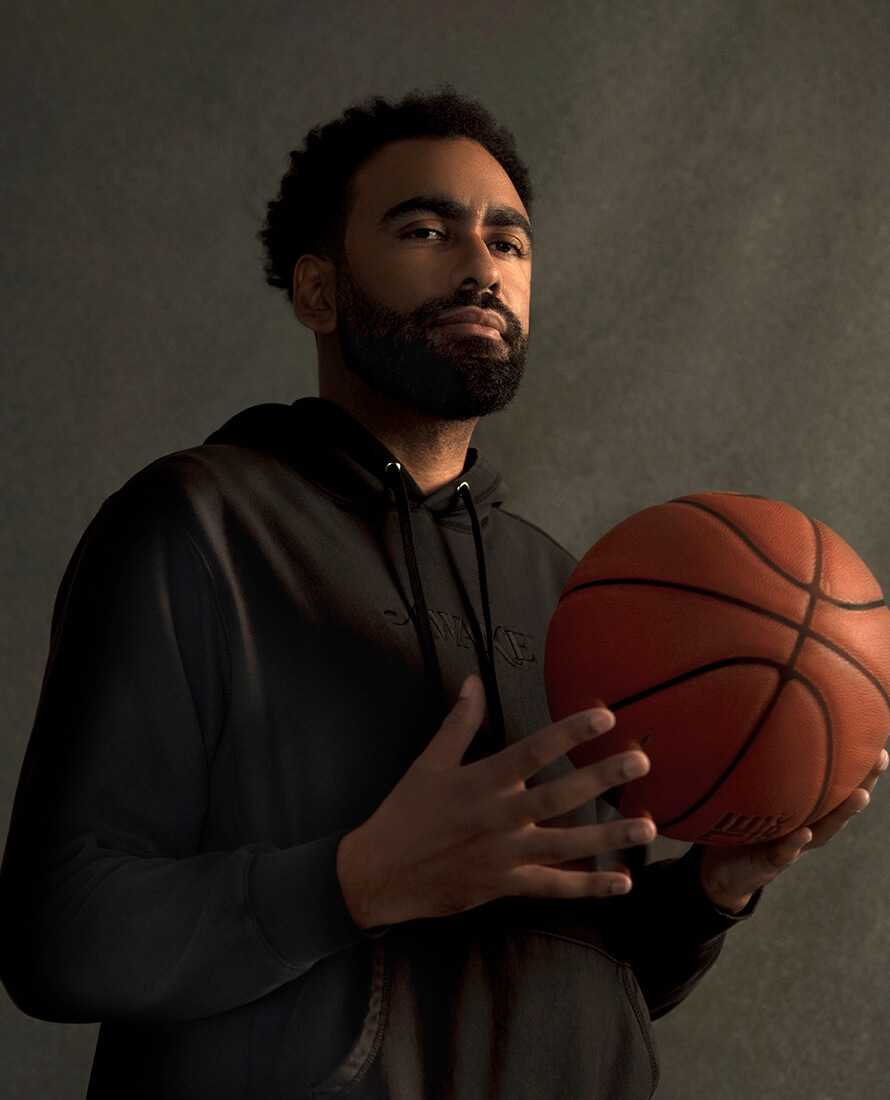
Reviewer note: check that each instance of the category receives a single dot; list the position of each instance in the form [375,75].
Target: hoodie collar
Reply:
[327,445]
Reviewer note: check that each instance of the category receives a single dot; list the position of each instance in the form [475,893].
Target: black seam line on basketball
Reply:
[755,730]
[784,677]
[734,527]
[786,672]
[721,596]
[724,596]
[813,588]
[815,591]
[777,568]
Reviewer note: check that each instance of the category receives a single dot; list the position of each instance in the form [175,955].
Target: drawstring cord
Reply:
[420,613]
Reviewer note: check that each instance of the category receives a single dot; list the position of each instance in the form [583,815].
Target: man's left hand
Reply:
[731,874]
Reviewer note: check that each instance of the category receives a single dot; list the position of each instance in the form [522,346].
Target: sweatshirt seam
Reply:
[627,978]
[541,531]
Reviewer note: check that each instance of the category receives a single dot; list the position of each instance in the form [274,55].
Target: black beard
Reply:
[452,377]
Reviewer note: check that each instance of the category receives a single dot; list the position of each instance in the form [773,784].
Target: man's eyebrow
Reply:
[446,207]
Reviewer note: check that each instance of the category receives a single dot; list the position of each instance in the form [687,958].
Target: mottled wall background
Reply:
[709,311]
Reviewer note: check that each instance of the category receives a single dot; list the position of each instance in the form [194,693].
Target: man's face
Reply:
[405,270]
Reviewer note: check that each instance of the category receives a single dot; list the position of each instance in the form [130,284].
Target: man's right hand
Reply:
[450,837]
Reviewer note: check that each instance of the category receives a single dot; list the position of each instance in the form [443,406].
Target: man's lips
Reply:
[463,328]
[470,318]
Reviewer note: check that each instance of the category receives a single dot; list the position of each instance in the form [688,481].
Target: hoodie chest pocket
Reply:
[479,1009]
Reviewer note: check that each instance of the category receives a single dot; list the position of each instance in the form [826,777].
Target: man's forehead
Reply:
[457,168]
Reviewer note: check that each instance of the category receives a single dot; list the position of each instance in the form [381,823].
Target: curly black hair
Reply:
[317,191]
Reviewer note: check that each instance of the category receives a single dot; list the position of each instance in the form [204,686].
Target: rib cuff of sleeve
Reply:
[296,899]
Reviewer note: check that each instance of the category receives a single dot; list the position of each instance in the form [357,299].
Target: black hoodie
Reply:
[252,641]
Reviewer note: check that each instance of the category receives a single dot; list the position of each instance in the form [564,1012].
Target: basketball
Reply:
[744,646]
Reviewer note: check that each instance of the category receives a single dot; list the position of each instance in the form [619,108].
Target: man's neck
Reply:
[432,450]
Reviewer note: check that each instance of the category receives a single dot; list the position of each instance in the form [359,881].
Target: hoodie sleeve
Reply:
[109,907]
[667,927]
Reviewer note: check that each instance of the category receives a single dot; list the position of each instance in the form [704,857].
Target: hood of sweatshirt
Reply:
[337,453]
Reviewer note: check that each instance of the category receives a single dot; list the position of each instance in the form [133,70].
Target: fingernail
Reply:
[885,760]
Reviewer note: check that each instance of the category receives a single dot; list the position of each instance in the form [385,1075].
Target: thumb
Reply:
[453,738]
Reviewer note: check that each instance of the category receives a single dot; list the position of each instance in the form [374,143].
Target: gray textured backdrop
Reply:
[709,312]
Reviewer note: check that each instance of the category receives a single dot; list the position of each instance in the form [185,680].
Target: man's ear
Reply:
[314,283]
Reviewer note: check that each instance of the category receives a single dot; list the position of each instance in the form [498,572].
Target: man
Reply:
[257,834]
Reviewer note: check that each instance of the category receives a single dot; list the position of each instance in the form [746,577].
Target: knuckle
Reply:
[626,766]
[534,752]
[639,831]
[607,775]
[580,726]
[547,803]
[547,850]
[589,725]
[501,814]
[597,884]
[613,837]
[518,881]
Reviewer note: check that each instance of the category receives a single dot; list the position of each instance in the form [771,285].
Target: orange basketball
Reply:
[745,646]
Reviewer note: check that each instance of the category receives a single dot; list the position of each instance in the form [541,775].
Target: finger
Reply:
[875,774]
[833,822]
[559,796]
[522,759]
[549,882]
[827,827]
[451,741]
[791,847]
[543,846]
[761,866]
[868,785]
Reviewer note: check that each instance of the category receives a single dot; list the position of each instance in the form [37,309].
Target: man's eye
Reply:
[429,229]
[423,229]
